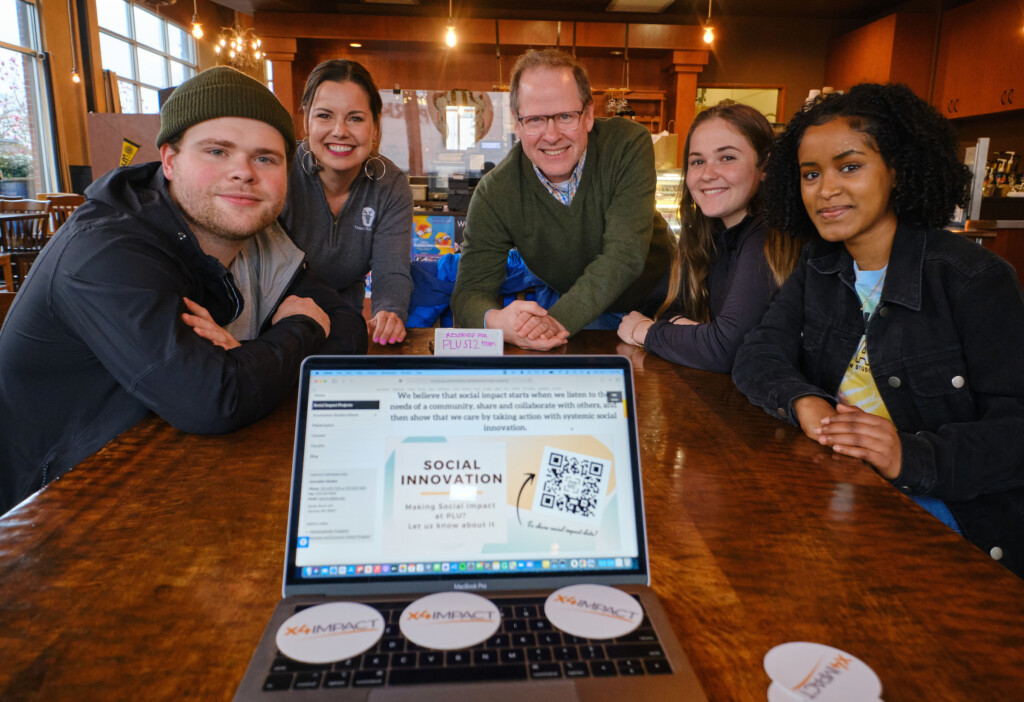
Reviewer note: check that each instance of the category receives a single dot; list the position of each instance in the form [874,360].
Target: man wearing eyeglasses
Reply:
[576,198]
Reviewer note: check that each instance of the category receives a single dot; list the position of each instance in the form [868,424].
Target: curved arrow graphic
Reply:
[529,477]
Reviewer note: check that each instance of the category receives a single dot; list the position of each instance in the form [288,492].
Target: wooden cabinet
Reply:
[649,106]
[1009,243]
[980,68]
[895,49]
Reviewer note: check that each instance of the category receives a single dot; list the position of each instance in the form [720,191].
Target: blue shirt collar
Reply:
[564,194]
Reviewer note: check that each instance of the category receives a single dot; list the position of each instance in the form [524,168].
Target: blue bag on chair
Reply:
[434,281]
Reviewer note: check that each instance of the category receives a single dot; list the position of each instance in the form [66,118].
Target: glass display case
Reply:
[668,195]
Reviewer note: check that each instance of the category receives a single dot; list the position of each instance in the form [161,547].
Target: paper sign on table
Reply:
[468,342]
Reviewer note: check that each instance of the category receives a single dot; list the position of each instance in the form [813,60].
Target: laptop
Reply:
[507,477]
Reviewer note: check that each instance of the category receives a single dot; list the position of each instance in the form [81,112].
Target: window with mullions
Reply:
[146,52]
[27,163]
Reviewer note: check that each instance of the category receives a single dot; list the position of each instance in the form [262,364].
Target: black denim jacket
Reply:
[946,346]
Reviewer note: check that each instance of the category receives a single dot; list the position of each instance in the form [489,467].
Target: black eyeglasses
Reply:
[564,122]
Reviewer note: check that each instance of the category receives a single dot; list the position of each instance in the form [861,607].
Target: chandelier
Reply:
[239,48]
[616,103]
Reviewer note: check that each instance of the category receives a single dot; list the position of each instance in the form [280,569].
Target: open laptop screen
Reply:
[413,472]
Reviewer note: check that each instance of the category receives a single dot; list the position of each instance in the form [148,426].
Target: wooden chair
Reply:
[6,298]
[8,272]
[23,205]
[24,229]
[62,205]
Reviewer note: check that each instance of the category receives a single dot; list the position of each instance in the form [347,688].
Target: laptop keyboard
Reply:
[526,647]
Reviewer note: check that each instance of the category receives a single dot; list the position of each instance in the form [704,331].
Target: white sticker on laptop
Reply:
[593,611]
[469,342]
[448,621]
[330,632]
[812,671]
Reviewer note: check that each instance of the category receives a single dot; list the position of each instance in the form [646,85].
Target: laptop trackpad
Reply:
[536,691]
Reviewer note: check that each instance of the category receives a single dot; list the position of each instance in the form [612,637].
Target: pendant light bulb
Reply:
[75,78]
[709,31]
[449,31]
[197,29]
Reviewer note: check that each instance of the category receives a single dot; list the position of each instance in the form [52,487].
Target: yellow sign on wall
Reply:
[128,150]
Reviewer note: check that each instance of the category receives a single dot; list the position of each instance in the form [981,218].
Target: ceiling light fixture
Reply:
[651,6]
[449,31]
[238,47]
[500,86]
[75,78]
[356,45]
[709,31]
[197,29]
[616,103]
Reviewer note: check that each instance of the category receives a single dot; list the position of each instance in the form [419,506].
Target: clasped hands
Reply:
[527,325]
[851,431]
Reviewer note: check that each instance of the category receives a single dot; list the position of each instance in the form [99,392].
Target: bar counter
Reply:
[149,571]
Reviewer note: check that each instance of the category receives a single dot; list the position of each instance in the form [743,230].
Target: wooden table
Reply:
[150,570]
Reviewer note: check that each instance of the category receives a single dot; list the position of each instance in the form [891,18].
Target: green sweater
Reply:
[602,253]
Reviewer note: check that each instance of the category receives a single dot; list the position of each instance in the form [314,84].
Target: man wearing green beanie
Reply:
[172,290]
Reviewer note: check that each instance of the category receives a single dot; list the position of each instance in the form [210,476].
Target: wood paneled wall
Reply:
[895,49]
[437,70]
[409,52]
[69,97]
[788,52]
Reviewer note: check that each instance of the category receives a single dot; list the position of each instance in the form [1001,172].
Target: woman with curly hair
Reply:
[893,341]
[727,265]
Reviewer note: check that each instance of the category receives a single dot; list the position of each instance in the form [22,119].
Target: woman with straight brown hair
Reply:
[727,264]
[348,207]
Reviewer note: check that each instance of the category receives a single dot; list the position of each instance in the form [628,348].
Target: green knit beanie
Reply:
[223,92]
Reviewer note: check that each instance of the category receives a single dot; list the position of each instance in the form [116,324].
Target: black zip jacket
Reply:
[94,340]
[946,346]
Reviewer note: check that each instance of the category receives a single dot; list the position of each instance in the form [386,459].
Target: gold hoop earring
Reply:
[308,159]
[374,167]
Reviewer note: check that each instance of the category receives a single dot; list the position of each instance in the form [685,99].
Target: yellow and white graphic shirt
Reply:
[858,387]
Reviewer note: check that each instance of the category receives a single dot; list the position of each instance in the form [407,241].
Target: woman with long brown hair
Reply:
[727,265]
[350,208]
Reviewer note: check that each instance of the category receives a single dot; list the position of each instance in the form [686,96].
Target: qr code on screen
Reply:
[571,485]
